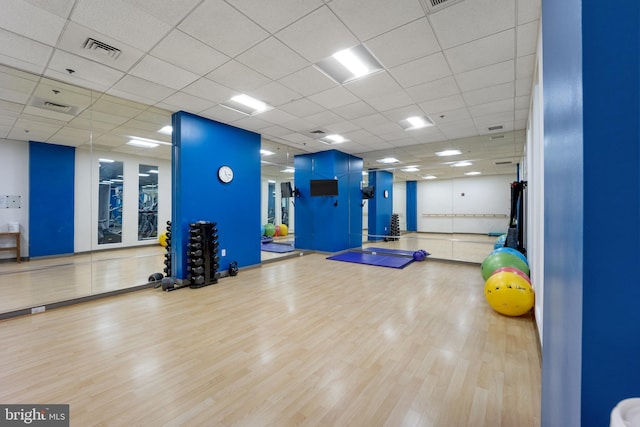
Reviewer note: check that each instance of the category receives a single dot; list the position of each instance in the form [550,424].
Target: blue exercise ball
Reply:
[511,251]
[500,241]
[262,230]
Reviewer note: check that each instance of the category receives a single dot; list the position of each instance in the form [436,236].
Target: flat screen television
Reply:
[367,192]
[323,187]
[285,189]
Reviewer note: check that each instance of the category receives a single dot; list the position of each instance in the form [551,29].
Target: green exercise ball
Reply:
[269,230]
[502,259]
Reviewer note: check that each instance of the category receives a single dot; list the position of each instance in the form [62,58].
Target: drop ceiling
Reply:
[467,65]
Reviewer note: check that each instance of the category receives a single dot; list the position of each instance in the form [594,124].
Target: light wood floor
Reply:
[301,342]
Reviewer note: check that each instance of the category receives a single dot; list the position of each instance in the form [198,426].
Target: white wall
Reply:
[465,205]
[14,181]
[400,203]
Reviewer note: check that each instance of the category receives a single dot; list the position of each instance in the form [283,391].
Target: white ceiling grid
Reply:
[468,67]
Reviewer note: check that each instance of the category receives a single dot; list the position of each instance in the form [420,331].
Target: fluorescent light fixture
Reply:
[247,105]
[167,130]
[106,160]
[461,164]
[143,174]
[388,160]
[271,181]
[448,153]
[288,170]
[429,177]
[416,122]
[105,182]
[152,171]
[410,169]
[365,173]
[266,152]
[473,173]
[143,144]
[349,64]
[117,180]
[333,139]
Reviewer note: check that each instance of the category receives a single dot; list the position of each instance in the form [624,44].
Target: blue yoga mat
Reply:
[277,247]
[390,251]
[391,261]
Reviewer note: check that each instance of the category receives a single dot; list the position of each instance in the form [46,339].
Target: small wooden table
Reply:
[12,248]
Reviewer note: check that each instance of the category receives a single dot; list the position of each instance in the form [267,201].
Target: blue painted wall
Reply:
[201,146]
[591,109]
[412,205]
[326,223]
[51,199]
[380,208]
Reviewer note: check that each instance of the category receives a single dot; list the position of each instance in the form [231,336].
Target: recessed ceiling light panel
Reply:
[461,164]
[143,144]
[266,152]
[349,64]
[473,173]
[388,160]
[448,153]
[167,130]
[416,122]
[246,104]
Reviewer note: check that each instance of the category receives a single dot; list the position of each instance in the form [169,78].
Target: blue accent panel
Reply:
[563,207]
[380,208]
[412,205]
[51,199]
[201,146]
[611,319]
[326,223]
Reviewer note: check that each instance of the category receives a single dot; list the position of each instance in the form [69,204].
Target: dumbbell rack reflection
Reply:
[167,255]
[202,254]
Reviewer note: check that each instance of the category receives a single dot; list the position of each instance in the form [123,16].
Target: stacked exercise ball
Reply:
[507,286]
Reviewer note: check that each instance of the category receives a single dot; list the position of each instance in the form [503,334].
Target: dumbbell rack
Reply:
[202,254]
[167,255]
[394,229]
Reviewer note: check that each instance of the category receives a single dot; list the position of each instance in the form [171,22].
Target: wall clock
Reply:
[225,174]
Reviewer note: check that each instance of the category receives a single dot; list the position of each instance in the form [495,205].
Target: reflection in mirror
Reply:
[147,202]
[110,198]
[271,203]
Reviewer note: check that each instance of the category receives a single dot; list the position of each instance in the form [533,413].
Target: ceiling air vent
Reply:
[506,162]
[103,48]
[493,138]
[318,132]
[56,107]
[433,6]
[495,127]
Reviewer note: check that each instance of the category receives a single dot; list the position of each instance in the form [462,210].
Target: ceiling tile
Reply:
[184,101]
[443,104]
[324,118]
[221,26]
[122,21]
[525,66]
[371,86]
[528,38]
[429,136]
[363,137]
[451,116]
[390,101]
[140,89]
[341,127]
[299,125]
[163,73]
[31,21]
[275,94]
[275,14]
[482,52]
[369,18]
[352,111]
[411,41]
[402,113]
[296,137]
[301,107]
[523,87]
[273,59]
[470,20]
[75,35]
[170,12]
[275,131]
[238,76]
[186,52]
[317,35]
[434,90]
[523,102]
[505,105]
[489,94]
[23,53]
[87,73]
[484,122]
[222,114]
[71,136]
[209,90]
[16,88]
[251,123]
[307,81]
[276,116]
[486,76]
[61,8]
[423,70]
[334,97]
[528,10]
[115,109]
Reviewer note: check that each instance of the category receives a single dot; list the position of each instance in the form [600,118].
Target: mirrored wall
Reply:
[147,202]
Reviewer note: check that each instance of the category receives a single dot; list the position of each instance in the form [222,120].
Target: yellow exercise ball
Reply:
[509,294]
[162,239]
[284,230]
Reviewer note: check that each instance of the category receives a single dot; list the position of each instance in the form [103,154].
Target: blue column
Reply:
[381,206]
[51,199]
[412,205]
[201,147]
[591,321]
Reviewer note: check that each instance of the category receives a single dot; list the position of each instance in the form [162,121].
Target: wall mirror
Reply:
[110,201]
[147,202]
